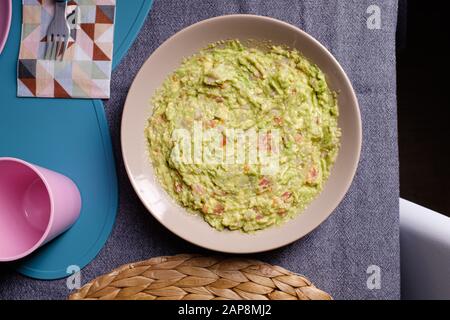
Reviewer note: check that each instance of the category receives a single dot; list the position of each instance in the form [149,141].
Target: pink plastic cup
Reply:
[36,205]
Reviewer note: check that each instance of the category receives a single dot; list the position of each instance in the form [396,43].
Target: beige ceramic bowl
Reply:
[138,109]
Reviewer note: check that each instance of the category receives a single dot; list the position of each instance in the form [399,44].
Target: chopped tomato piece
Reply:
[267,142]
[312,175]
[178,187]
[285,196]
[210,123]
[219,208]
[224,140]
[264,183]
[278,120]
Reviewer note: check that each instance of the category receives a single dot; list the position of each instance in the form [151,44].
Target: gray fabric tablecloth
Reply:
[363,230]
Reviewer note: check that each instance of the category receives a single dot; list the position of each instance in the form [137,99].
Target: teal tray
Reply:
[70,136]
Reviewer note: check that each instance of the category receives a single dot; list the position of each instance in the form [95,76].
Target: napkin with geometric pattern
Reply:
[85,71]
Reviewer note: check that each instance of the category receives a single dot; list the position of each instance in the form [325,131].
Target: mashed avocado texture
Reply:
[232,86]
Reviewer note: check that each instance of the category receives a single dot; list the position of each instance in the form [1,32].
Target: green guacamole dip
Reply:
[232,86]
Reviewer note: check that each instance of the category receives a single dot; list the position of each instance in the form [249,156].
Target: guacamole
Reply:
[229,85]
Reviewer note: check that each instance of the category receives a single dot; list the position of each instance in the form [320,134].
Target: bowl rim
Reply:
[354,100]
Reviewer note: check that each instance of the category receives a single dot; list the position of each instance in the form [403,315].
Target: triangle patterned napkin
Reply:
[85,71]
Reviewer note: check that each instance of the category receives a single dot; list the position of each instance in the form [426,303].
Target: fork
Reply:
[58,33]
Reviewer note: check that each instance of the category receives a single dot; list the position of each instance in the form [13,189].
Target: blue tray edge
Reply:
[113,205]
[92,253]
[132,33]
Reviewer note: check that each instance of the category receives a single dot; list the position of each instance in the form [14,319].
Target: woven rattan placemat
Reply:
[196,277]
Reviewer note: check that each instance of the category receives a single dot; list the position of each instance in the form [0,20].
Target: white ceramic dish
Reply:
[138,109]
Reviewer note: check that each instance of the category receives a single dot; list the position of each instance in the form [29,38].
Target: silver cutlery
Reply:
[58,33]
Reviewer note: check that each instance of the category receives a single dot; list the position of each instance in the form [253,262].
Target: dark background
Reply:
[423,93]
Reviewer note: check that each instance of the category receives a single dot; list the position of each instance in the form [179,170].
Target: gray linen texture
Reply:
[362,231]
